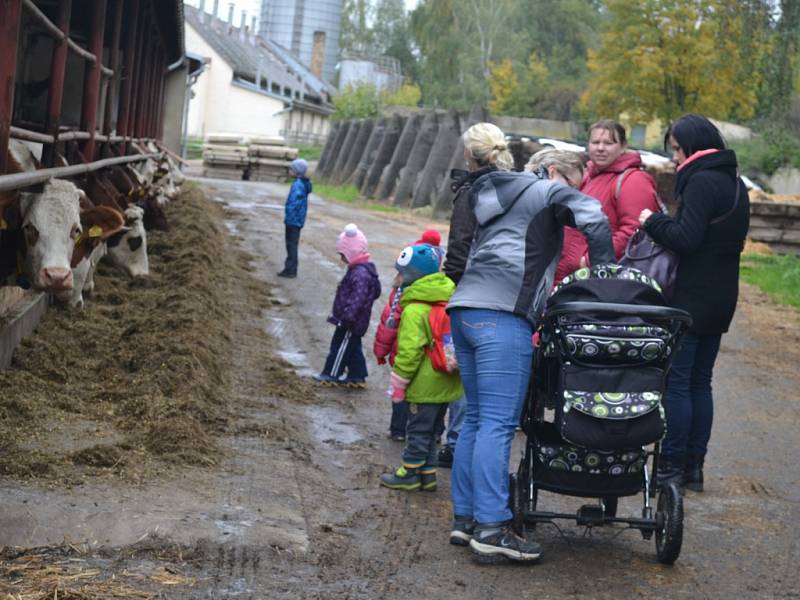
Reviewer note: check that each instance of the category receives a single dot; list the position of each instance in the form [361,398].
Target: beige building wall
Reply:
[219,106]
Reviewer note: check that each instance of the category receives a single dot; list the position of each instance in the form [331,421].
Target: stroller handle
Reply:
[636,310]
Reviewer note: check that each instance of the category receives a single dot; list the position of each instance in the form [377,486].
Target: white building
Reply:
[251,86]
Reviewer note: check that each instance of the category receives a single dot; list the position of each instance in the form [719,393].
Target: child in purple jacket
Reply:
[352,309]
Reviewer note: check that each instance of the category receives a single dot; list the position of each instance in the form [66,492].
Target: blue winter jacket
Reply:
[297,202]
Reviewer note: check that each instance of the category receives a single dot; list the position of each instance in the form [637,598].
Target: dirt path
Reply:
[293,510]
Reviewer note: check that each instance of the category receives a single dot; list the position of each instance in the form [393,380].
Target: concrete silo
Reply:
[309,28]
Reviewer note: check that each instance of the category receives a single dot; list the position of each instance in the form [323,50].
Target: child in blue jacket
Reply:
[295,214]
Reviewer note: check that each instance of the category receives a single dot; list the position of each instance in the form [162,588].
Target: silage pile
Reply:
[139,378]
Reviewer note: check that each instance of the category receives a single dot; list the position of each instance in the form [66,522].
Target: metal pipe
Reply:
[9,38]
[113,92]
[55,96]
[91,85]
[176,65]
[31,136]
[20,180]
[55,31]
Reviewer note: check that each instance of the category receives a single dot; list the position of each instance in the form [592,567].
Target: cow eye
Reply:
[76,232]
[31,234]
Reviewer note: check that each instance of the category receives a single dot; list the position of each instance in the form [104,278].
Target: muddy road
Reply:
[292,507]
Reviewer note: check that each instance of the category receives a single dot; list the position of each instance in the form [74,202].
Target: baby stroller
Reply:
[593,418]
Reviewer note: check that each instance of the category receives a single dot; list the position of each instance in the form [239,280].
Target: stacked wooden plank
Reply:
[269,159]
[224,157]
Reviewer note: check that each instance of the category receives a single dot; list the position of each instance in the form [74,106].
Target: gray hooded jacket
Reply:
[518,240]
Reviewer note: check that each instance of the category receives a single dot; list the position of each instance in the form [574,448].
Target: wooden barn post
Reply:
[91,87]
[9,34]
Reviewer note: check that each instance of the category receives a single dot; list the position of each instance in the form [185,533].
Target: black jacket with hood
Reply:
[708,234]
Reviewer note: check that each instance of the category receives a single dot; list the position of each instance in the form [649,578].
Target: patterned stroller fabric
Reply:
[611,376]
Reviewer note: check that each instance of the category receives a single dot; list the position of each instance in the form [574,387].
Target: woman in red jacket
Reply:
[615,177]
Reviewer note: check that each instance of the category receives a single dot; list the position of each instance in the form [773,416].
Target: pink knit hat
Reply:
[351,243]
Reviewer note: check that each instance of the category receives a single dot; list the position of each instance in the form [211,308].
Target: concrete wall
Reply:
[785,181]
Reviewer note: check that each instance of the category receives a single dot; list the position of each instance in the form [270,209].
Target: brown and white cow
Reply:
[128,249]
[40,230]
[99,224]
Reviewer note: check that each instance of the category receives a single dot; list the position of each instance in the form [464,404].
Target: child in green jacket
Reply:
[413,378]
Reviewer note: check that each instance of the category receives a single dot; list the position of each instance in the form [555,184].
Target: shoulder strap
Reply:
[735,203]
[620,179]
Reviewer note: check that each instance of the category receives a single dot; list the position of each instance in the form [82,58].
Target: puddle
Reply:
[329,424]
[278,328]
[242,205]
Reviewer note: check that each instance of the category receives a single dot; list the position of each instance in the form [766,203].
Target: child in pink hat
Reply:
[352,308]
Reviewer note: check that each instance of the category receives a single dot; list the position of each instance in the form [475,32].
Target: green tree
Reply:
[662,58]
[356,37]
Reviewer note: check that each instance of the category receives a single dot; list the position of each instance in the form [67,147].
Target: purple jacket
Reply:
[358,289]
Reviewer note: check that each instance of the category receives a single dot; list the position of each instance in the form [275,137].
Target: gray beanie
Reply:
[299,166]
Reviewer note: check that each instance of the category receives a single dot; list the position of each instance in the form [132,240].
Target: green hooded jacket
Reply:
[414,335]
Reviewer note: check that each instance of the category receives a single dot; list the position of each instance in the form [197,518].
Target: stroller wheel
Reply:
[610,503]
[669,533]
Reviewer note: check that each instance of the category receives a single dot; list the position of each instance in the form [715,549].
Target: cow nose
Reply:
[56,278]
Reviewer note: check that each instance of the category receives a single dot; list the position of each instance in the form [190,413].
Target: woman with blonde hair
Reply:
[485,150]
[514,251]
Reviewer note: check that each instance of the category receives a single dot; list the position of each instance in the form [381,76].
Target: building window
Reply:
[638,134]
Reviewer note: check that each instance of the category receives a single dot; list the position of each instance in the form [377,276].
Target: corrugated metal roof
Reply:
[249,54]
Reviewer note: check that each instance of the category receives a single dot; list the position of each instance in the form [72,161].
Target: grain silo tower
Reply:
[309,28]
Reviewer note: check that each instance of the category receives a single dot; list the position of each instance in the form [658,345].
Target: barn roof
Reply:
[248,55]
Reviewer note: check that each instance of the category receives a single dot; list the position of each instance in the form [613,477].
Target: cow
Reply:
[39,232]
[98,225]
[127,249]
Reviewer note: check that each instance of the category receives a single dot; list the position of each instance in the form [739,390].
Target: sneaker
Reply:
[354,382]
[325,379]
[493,541]
[397,437]
[402,479]
[461,530]
[445,457]
[428,480]
[286,274]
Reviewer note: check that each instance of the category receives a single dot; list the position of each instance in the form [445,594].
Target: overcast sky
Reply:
[253,8]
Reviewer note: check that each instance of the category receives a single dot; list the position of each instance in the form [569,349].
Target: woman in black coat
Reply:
[708,234]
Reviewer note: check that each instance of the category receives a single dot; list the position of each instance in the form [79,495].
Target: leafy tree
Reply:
[783,69]
[356,38]
[503,85]
[662,58]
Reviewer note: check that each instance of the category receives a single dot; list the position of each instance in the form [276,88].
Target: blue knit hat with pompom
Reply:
[417,261]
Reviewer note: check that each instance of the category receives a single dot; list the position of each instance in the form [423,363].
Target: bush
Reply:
[358,102]
[769,152]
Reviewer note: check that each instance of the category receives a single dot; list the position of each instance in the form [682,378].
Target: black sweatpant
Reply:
[345,352]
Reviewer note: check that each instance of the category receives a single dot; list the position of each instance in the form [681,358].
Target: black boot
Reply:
[693,473]
[669,471]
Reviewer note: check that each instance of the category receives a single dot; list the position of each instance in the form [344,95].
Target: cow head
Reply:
[51,226]
[128,249]
[98,225]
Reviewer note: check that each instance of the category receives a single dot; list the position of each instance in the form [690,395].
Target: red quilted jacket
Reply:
[638,192]
[385,346]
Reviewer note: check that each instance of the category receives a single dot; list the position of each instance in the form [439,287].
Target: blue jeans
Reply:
[688,401]
[455,420]
[494,354]
[292,240]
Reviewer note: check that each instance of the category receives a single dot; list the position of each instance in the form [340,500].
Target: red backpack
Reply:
[442,351]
